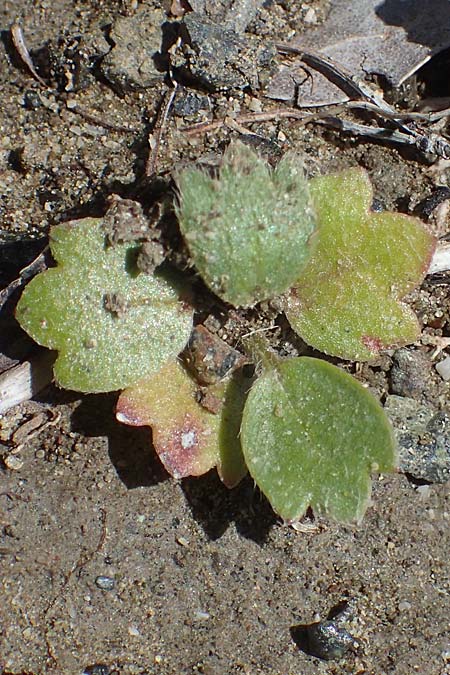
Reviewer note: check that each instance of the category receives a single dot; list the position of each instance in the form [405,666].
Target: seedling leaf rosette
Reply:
[309,434]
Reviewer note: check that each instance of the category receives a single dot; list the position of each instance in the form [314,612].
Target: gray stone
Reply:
[423,437]
[105,583]
[136,60]
[410,372]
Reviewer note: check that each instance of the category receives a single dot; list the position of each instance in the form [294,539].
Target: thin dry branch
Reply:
[22,50]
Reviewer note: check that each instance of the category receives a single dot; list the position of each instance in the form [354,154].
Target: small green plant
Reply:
[309,434]
[188,438]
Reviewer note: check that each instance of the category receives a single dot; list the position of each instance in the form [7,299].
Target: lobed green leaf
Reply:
[347,300]
[110,324]
[248,230]
[188,438]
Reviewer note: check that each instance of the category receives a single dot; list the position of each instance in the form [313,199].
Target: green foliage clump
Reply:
[310,434]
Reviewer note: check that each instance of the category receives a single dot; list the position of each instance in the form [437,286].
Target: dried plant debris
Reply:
[367,37]
[249,229]
[348,300]
[110,324]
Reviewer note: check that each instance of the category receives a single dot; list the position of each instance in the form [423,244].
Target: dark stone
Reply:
[32,99]
[410,372]
[217,58]
[96,669]
[327,640]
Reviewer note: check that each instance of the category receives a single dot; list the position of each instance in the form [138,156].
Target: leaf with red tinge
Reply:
[347,301]
[188,438]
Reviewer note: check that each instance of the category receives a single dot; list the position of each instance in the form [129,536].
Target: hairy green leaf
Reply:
[248,230]
[347,300]
[311,435]
[110,324]
[189,439]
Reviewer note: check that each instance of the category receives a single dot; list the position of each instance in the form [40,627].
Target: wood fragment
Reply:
[22,382]
[427,143]
[99,122]
[154,139]
[19,43]
[440,261]
[39,264]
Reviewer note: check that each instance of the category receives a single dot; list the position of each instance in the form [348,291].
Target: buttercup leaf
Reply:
[248,230]
[311,435]
[188,438]
[347,300]
[110,324]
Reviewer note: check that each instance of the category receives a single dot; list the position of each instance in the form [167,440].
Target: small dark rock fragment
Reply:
[327,640]
[105,583]
[32,100]
[72,59]
[96,669]
[217,58]
[209,358]
[410,372]
[189,103]
[423,437]
[426,207]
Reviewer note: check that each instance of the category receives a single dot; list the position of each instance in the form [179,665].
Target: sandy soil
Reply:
[205,580]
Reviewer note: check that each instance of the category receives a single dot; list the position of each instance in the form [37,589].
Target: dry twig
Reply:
[19,43]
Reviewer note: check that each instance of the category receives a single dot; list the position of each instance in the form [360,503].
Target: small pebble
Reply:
[424,491]
[310,16]
[328,641]
[443,368]
[183,541]
[200,615]
[32,100]
[410,372]
[96,669]
[423,436]
[13,462]
[133,631]
[105,583]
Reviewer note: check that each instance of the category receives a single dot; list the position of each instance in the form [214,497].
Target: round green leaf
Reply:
[311,435]
[110,324]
